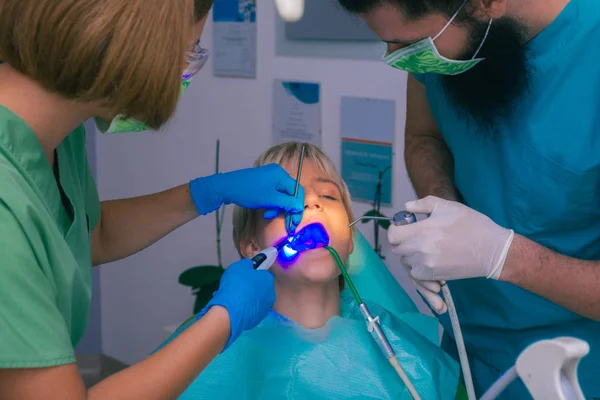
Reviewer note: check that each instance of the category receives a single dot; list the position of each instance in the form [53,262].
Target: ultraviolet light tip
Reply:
[288,251]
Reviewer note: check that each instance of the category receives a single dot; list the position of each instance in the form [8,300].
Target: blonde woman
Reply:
[125,63]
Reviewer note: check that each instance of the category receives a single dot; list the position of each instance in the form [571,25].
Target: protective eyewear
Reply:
[195,59]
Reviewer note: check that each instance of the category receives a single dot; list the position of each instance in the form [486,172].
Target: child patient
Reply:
[315,344]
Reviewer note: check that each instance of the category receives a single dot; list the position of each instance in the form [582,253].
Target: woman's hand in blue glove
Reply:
[247,294]
[269,187]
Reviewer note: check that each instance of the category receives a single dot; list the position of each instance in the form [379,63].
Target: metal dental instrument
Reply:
[300,161]
[265,259]
[399,219]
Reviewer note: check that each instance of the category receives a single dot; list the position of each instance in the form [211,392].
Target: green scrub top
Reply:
[45,252]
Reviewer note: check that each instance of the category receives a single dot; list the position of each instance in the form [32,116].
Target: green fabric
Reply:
[281,360]
[423,57]
[45,256]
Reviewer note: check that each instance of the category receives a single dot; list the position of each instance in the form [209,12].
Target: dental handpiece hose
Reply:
[375,327]
[406,218]
[460,343]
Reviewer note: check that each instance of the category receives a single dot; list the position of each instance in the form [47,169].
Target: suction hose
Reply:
[404,377]
[374,327]
[460,343]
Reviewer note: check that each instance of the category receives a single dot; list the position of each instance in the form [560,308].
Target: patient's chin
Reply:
[315,266]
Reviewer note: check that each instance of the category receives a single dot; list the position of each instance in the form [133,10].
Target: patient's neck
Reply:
[310,305]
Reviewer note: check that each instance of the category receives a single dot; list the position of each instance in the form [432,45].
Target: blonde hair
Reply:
[124,55]
[246,221]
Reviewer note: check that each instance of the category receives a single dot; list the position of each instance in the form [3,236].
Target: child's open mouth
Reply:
[310,237]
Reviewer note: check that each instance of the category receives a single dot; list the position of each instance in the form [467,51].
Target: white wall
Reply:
[141,294]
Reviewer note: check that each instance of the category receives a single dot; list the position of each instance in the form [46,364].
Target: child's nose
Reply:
[312,201]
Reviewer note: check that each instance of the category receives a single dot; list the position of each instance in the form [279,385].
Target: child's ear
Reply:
[249,248]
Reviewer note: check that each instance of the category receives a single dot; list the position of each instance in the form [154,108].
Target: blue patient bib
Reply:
[540,176]
[280,359]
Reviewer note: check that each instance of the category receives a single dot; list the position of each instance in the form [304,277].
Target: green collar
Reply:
[20,145]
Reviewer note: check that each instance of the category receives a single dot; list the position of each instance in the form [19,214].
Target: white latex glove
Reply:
[430,290]
[455,242]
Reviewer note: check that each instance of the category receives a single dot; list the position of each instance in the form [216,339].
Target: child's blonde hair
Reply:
[245,221]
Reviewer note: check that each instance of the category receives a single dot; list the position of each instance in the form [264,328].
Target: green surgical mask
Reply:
[423,56]
[121,124]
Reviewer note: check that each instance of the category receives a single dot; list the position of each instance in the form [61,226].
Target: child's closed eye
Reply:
[329,197]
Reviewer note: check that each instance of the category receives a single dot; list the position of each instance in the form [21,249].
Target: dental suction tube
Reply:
[374,328]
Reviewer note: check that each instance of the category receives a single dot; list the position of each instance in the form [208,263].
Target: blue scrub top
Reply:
[540,177]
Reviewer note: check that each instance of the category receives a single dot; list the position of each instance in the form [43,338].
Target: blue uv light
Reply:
[310,237]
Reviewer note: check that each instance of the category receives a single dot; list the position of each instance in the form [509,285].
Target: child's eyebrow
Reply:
[321,179]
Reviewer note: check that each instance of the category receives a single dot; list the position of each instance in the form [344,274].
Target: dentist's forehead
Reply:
[389,23]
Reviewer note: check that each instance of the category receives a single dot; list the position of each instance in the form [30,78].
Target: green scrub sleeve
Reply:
[33,332]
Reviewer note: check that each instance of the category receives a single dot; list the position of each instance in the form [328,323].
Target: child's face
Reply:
[322,204]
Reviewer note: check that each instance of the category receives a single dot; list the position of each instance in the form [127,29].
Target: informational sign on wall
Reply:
[367,130]
[234,38]
[326,20]
[296,112]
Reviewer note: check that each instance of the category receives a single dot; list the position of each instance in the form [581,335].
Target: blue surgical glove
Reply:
[247,294]
[268,187]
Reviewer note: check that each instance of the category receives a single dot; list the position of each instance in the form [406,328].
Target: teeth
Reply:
[310,237]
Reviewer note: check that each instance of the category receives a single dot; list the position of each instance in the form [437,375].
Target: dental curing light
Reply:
[266,258]
[310,237]
[290,10]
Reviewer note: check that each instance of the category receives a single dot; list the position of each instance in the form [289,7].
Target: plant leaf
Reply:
[374,213]
[200,276]
[384,224]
